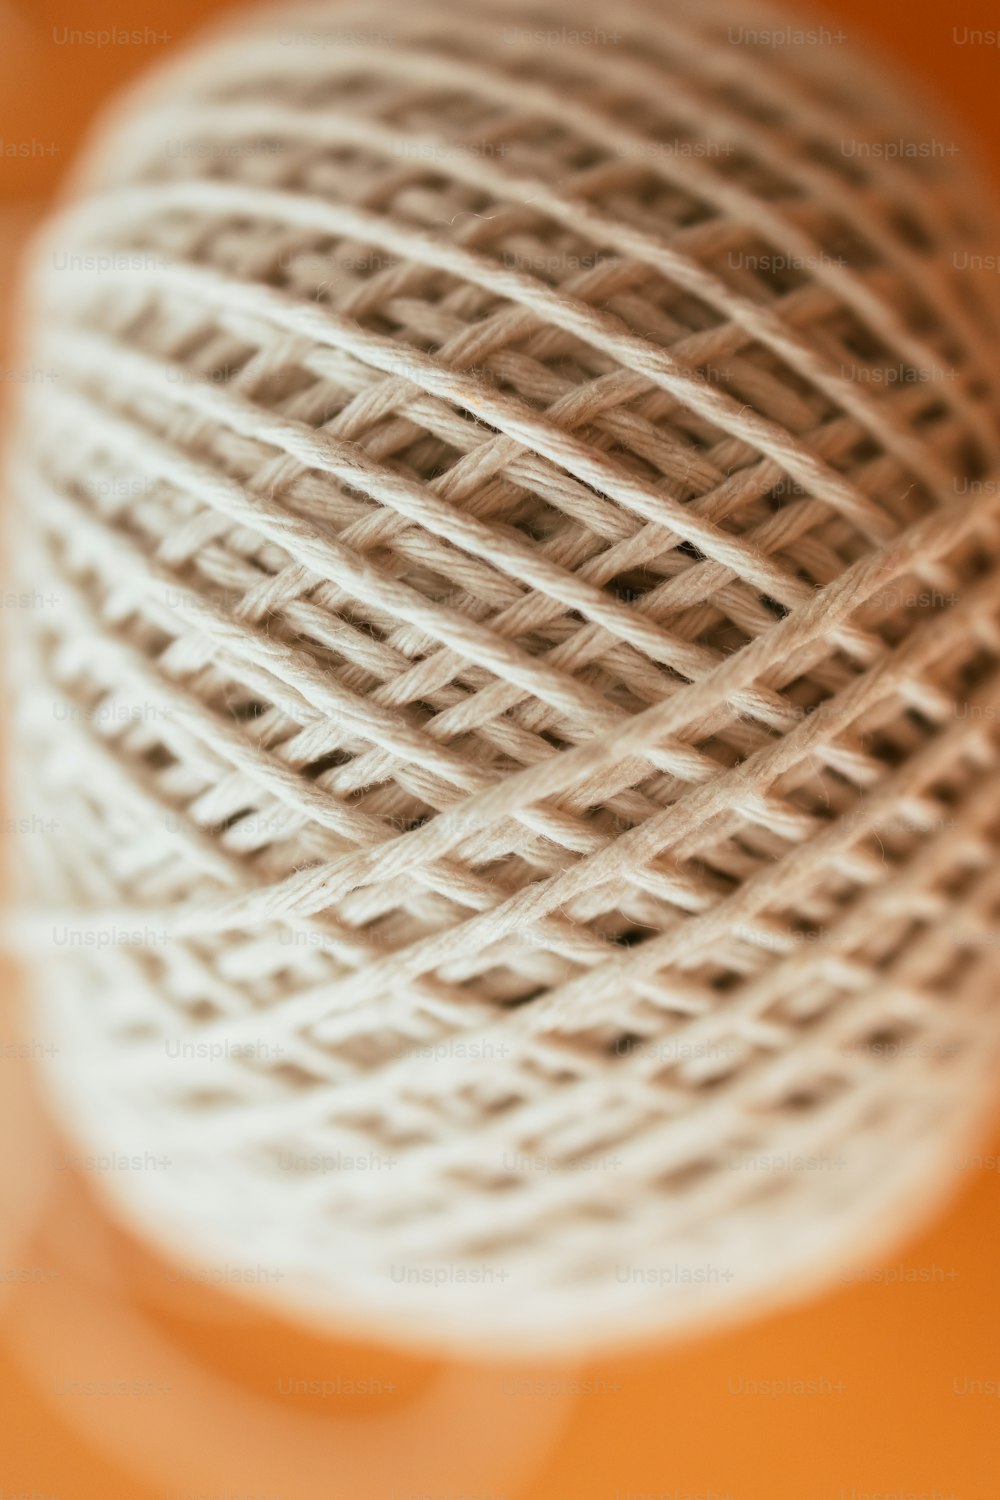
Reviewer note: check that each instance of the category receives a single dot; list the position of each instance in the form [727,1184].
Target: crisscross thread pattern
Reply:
[520,501]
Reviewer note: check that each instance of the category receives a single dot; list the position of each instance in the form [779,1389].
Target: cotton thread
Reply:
[525,669]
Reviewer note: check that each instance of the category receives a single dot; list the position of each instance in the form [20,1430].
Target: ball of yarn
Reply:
[517,497]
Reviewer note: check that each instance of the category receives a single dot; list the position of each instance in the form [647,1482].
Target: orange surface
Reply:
[904,1365]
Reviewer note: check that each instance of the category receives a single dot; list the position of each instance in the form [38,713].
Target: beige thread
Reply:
[524,668]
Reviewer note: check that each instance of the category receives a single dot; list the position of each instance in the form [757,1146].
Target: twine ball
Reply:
[517,497]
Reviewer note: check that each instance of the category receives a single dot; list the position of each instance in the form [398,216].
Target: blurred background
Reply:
[122,1375]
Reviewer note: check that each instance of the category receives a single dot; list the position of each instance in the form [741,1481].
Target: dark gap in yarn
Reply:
[202,1010]
[703,870]
[881,846]
[781,494]
[909,228]
[943,794]
[936,412]
[244,712]
[782,1012]
[806,697]
[848,245]
[292,1074]
[769,272]
[225,824]
[498,1181]
[802,1100]
[584,156]
[499,1104]
[919,720]
[886,1039]
[728,979]
[623,1045]
[436,470]
[516,1001]
[726,637]
[327,762]
[705,1083]
[827,154]
[757,178]
[158,758]
[740,841]
[632,937]
[882,748]
[976,669]
[774,606]
[688,549]
[864,451]
[896,942]
[860,341]
[550,738]
[752,106]
[686,1175]
[959,882]
[632,584]
[409,825]
[370,628]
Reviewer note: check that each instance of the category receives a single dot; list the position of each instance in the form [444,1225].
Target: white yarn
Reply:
[518,709]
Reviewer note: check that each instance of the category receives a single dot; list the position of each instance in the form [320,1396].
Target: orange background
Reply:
[79,1300]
